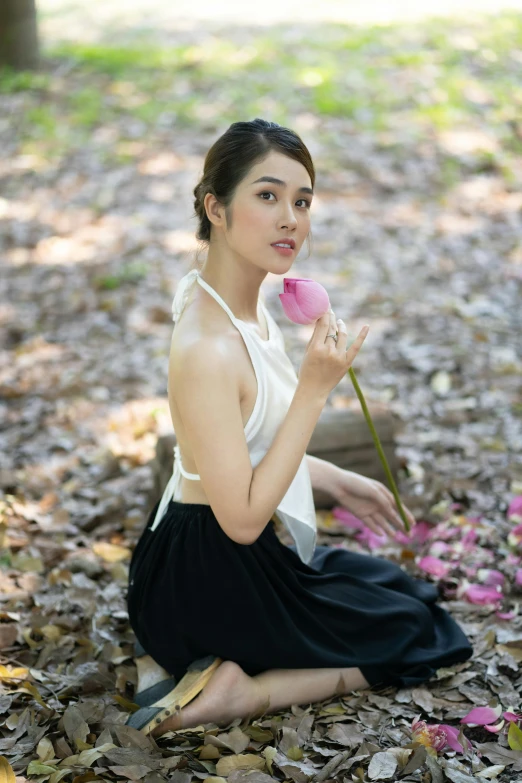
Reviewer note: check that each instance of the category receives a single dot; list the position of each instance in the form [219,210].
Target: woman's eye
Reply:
[308,204]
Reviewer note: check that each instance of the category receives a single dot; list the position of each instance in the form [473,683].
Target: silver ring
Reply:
[332,335]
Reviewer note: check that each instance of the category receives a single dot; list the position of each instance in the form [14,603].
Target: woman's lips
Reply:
[284,251]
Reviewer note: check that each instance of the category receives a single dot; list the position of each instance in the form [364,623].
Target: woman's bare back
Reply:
[203,318]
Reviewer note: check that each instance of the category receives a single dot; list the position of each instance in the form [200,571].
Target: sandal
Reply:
[164,698]
[155,692]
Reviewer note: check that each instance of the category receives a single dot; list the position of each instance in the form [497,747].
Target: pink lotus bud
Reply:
[515,507]
[304,301]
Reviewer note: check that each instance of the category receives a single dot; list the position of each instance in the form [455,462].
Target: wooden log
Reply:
[341,436]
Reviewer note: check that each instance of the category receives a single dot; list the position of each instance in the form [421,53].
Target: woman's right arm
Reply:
[207,394]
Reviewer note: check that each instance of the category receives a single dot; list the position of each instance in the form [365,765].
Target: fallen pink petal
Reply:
[481,716]
[418,535]
[452,733]
[515,508]
[481,594]
[346,517]
[371,539]
[470,538]
[434,566]
[491,577]
[439,548]
[511,716]
[506,615]
[495,729]
[518,577]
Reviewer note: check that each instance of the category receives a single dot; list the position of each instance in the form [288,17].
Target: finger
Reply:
[383,522]
[375,526]
[354,348]
[395,518]
[391,499]
[332,329]
[342,334]
[322,328]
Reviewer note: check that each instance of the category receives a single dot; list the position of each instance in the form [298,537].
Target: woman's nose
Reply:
[288,217]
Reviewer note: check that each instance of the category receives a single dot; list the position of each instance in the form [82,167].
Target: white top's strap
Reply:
[183,290]
[217,297]
[177,458]
[171,490]
[168,494]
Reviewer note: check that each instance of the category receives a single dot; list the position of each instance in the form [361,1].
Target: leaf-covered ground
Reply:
[416,133]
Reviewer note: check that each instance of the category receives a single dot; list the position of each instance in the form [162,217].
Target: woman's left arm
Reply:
[367,499]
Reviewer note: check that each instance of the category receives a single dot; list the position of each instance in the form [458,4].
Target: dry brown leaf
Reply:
[13,672]
[248,776]
[132,771]
[6,771]
[347,734]
[382,766]
[75,726]
[45,749]
[424,698]
[226,764]
[111,553]
[209,752]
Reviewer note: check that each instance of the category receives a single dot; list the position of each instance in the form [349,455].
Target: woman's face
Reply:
[267,212]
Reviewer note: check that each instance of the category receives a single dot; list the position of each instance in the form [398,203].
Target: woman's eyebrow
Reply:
[276,181]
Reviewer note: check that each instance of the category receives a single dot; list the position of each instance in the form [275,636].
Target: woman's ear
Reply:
[215,210]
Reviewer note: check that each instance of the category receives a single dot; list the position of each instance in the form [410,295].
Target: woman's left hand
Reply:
[370,501]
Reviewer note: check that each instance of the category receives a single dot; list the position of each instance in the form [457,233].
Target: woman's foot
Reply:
[229,694]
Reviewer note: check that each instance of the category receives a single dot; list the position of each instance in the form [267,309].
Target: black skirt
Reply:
[194,592]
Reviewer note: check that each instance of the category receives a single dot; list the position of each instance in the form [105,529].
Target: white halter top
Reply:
[276,383]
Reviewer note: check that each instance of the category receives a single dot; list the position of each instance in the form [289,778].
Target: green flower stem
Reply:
[378,446]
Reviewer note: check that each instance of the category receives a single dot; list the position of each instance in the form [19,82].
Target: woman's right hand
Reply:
[326,361]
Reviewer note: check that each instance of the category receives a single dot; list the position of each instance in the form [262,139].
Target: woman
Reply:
[279,625]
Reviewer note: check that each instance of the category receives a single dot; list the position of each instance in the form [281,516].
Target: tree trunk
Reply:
[18,34]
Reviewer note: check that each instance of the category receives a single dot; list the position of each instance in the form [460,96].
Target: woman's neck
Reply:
[238,284]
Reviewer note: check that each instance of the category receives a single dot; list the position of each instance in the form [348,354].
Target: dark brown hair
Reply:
[232,156]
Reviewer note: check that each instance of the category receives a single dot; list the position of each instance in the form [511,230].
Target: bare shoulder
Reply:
[194,357]
[204,342]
